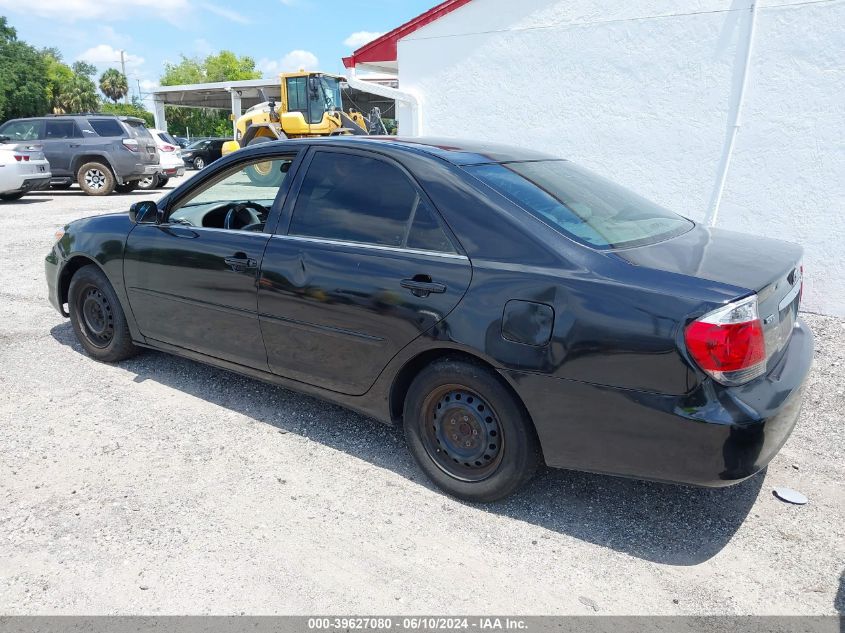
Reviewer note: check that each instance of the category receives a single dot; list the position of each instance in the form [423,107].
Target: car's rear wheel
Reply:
[468,431]
[150,182]
[95,179]
[162,181]
[199,162]
[97,317]
[10,197]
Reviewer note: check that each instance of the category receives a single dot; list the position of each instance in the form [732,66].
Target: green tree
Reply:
[59,77]
[22,76]
[113,84]
[83,68]
[136,109]
[80,95]
[222,66]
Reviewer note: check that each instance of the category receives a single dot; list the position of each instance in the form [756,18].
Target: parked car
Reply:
[505,306]
[23,168]
[100,152]
[203,152]
[170,161]
[181,141]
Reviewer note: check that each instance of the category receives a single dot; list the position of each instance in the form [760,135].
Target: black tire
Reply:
[97,317]
[162,181]
[150,182]
[199,163]
[127,187]
[468,432]
[95,179]
[262,174]
[11,197]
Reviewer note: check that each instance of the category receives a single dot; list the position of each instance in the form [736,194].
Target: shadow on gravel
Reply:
[667,524]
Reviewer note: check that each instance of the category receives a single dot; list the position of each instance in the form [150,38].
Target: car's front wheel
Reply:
[95,179]
[468,432]
[97,317]
[199,162]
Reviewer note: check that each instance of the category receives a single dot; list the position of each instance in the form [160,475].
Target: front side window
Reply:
[351,198]
[20,130]
[106,127]
[582,205]
[239,199]
[61,129]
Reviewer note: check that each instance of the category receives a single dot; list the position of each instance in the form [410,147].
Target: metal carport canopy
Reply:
[237,96]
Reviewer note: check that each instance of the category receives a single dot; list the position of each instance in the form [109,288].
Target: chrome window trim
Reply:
[191,227]
[375,247]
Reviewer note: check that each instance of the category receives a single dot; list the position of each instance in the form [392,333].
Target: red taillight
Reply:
[167,148]
[131,144]
[22,157]
[728,344]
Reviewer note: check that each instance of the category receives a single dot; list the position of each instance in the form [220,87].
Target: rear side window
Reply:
[107,127]
[61,129]
[582,205]
[352,198]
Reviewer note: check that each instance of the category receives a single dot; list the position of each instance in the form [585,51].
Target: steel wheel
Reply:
[461,433]
[95,179]
[97,316]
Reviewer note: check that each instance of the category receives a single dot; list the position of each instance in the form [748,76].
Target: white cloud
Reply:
[105,55]
[291,62]
[359,38]
[227,14]
[109,10]
[203,47]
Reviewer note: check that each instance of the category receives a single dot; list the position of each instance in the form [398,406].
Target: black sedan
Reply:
[506,307]
[203,152]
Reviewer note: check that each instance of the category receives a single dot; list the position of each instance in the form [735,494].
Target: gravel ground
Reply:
[161,485]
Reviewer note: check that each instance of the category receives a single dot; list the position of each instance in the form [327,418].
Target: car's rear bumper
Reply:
[714,436]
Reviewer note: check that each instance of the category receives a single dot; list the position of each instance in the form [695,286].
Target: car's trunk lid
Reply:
[146,144]
[769,267]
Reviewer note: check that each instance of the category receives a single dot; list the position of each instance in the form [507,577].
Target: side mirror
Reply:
[145,212]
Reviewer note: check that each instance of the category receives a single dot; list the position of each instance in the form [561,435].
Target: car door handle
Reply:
[422,286]
[240,263]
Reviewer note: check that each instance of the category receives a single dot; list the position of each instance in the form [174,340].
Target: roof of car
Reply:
[456,151]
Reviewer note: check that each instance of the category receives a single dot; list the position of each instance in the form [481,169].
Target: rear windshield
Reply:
[138,130]
[164,136]
[582,205]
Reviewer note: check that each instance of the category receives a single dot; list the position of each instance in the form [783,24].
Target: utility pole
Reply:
[123,70]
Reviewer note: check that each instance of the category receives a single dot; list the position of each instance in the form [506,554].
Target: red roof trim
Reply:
[383,49]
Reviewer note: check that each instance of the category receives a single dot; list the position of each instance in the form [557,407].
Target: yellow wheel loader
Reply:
[311,105]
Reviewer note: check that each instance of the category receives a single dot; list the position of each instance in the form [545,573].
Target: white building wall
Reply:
[644,92]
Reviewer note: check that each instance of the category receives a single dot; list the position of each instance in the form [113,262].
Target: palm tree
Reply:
[113,84]
[79,95]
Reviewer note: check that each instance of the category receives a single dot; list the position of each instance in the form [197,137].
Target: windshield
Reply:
[582,205]
[331,93]
[197,144]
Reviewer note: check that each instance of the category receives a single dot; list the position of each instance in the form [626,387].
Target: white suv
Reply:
[170,161]
[23,168]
